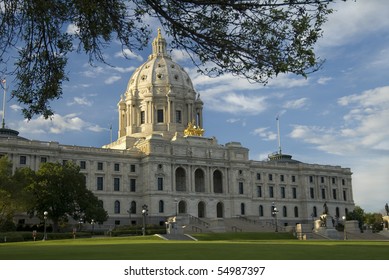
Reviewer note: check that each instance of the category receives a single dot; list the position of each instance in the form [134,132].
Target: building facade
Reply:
[161,159]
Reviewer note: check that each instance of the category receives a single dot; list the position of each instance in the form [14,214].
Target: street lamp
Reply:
[144,214]
[93,226]
[44,229]
[80,224]
[176,201]
[274,212]
[344,228]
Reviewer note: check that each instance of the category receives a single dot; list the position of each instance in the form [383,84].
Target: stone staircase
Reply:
[237,224]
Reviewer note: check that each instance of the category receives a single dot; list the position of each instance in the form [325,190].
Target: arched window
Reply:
[161,206]
[117,207]
[199,180]
[201,209]
[220,210]
[314,211]
[180,179]
[260,211]
[133,207]
[217,182]
[296,211]
[242,209]
[284,212]
[182,207]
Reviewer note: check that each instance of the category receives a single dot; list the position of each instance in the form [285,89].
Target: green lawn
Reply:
[209,247]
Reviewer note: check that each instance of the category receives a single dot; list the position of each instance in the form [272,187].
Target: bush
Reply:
[27,236]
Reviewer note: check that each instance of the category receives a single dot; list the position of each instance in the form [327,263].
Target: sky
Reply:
[339,115]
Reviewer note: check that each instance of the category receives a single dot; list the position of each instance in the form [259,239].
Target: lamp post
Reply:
[93,226]
[176,202]
[45,226]
[144,214]
[274,212]
[80,224]
[344,228]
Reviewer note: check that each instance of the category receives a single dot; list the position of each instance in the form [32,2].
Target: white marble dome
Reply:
[159,74]
[159,99]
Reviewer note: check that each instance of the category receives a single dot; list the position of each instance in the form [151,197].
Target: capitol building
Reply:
[162,159]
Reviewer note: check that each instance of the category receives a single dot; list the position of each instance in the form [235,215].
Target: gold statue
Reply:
[193,130]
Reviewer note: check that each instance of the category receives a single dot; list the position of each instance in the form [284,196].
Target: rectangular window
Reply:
[345,195]
[132,167]
[310,179]
[259,191]
[271,192]
[100,183]
[258,176]
[178,116]
[293,178]
[133,185]
[160,183]
[282,178]
[334,196]
[323,193]
[333,180]
[23,160]
[240,187]
[270,177]
[100,166]
[116,167]
[142,117]
[116,184]
[312,193]
[294,193]
[159,116]
[343,182]
[282,192]
[322,180]
[83,164]
[43,159]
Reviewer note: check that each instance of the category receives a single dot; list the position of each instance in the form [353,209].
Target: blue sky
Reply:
[338,116]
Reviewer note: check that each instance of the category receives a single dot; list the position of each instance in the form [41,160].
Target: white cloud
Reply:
[296,104]
[179,55]
[265,134]
[72,29]
[364,129]
[353,19]
[15,107]
[112,79]
[237,120]
[56,125]
[92,72]
[126,53]
[124,69]
[323,80]
[81,101]
[237,103]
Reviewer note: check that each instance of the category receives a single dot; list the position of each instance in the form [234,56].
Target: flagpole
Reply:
[110,130]
[279,136]
[5,87]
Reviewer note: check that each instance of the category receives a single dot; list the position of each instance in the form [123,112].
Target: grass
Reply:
[244,246]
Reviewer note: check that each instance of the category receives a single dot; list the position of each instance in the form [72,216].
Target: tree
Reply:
[60,190]
[13,198]
[374,220]
[357,214]
[255,39]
